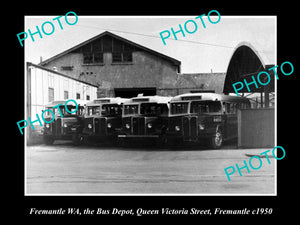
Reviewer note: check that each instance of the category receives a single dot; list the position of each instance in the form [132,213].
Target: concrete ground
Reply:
[66,169]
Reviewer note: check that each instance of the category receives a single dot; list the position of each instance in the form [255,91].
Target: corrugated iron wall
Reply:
[256,128]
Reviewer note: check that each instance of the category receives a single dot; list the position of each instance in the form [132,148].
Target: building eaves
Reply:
[58,73]
[174,61]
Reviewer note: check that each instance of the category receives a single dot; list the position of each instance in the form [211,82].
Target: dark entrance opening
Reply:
[133,92]
[246,64]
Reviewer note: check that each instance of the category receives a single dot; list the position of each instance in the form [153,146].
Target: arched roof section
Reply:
[245,61]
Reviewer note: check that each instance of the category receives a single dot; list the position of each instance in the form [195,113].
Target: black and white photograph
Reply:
[149,115]
[143,105]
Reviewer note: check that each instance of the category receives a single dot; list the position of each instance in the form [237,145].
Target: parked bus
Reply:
[143,118]
[66,127]
[196,117]
[103,119]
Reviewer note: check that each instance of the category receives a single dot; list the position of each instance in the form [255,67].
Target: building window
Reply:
[121,57]
[92,58]
[87,89]
[66,95]
[93,52]
[78,88]
[117,57]
[50,94]
[122,52]
[127,56]
[87,58]
[98,57]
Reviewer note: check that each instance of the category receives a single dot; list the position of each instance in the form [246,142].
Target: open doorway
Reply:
[133,92]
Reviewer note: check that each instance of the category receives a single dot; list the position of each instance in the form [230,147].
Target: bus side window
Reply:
[247,105]
[81,111]
[120,110]
[227,106]
[233,108]
[223,107]
[244,105]
[164,110]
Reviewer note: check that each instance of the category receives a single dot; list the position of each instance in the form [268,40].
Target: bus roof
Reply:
[56,102]
[107,100]
[207,97]
[150,99]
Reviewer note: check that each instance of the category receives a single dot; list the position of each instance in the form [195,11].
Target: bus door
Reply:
[231,125]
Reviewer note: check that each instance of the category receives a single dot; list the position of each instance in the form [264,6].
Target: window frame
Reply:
[121,48]
[88,51]
[51,89]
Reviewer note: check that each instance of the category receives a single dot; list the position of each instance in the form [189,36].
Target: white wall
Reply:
[41,80]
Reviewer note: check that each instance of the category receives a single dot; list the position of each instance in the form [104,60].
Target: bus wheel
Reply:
[48,140]
[86,140]
[217,140]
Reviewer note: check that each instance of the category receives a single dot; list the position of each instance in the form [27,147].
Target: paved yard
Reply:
[65,169]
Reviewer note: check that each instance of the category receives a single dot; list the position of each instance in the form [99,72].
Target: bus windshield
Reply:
[131,109]
[154,109]
[179,107]
[205,107]
[111,110]
[93,111]
[63,111]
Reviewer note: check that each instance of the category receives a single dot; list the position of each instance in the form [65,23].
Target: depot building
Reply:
[109,65]
[122,68]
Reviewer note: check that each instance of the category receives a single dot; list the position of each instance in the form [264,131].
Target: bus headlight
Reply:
[149,125]
[90,126]
[177,128]
[201,126]
[65,125]
[108,125]
[127,125]
[47,125]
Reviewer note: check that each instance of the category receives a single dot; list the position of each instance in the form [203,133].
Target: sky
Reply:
[206,50]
